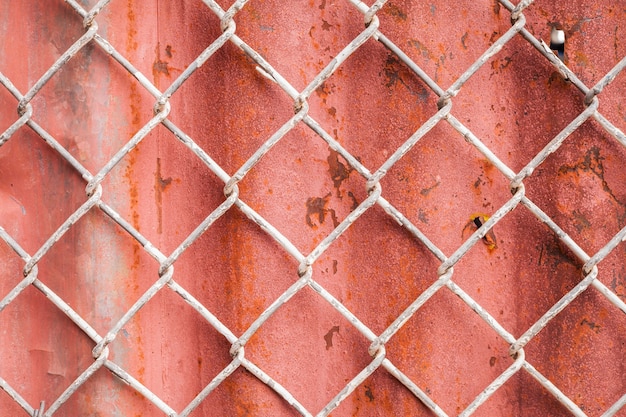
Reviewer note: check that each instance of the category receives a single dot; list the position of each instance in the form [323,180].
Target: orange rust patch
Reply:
[394,11]
[242,395]
[324,90]
[131,43]
[161,66]
[160,185]
[488,168]
[476,221]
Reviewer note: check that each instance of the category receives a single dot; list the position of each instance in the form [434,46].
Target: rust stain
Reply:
[581,59]
[386,402]
[592,163]
[133,193]
[355,202]
[131,43]
[324,90]
[427,190]
[394,11]
[498,64]
[161,66]
[423,216]
[577,26]
[133,190]
[129,174]
[494,36]
[483,179]
[580,221]
[316,207]
[496,7]
[499,129]
[338,171]
[158,66]
[168,51]
[242,395]
[422,49]
[591,324]
[396,72]
[160,185]
[243,275]
[463,39]
[328,337]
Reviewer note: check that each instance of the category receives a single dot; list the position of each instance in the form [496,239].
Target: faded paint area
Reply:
[516,103]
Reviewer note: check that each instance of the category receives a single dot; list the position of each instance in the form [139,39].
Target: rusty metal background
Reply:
[312,207]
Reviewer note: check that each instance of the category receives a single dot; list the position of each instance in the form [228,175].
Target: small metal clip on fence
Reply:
[304,274]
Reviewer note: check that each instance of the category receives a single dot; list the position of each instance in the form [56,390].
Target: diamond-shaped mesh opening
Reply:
[530,266]
[178,175]
[29,202]
[233,136]
[92,286]
[377,269]
[158,359]
[312,210]
[319,33]
[425,360]
[571,349]
[42,351]
[393,103]
[72,97]
[69,96]
[446,200]
[455,47]
[236,248]
[517,126]
[582,175]
[320,345]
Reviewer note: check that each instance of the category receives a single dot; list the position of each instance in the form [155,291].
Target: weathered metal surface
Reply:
[305,187]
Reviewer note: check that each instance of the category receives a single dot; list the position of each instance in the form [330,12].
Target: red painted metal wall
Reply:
[515,104]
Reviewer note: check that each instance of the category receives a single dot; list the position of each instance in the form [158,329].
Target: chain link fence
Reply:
[478,230]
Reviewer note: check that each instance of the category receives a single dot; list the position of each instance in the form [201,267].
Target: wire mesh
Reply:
[479,230]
